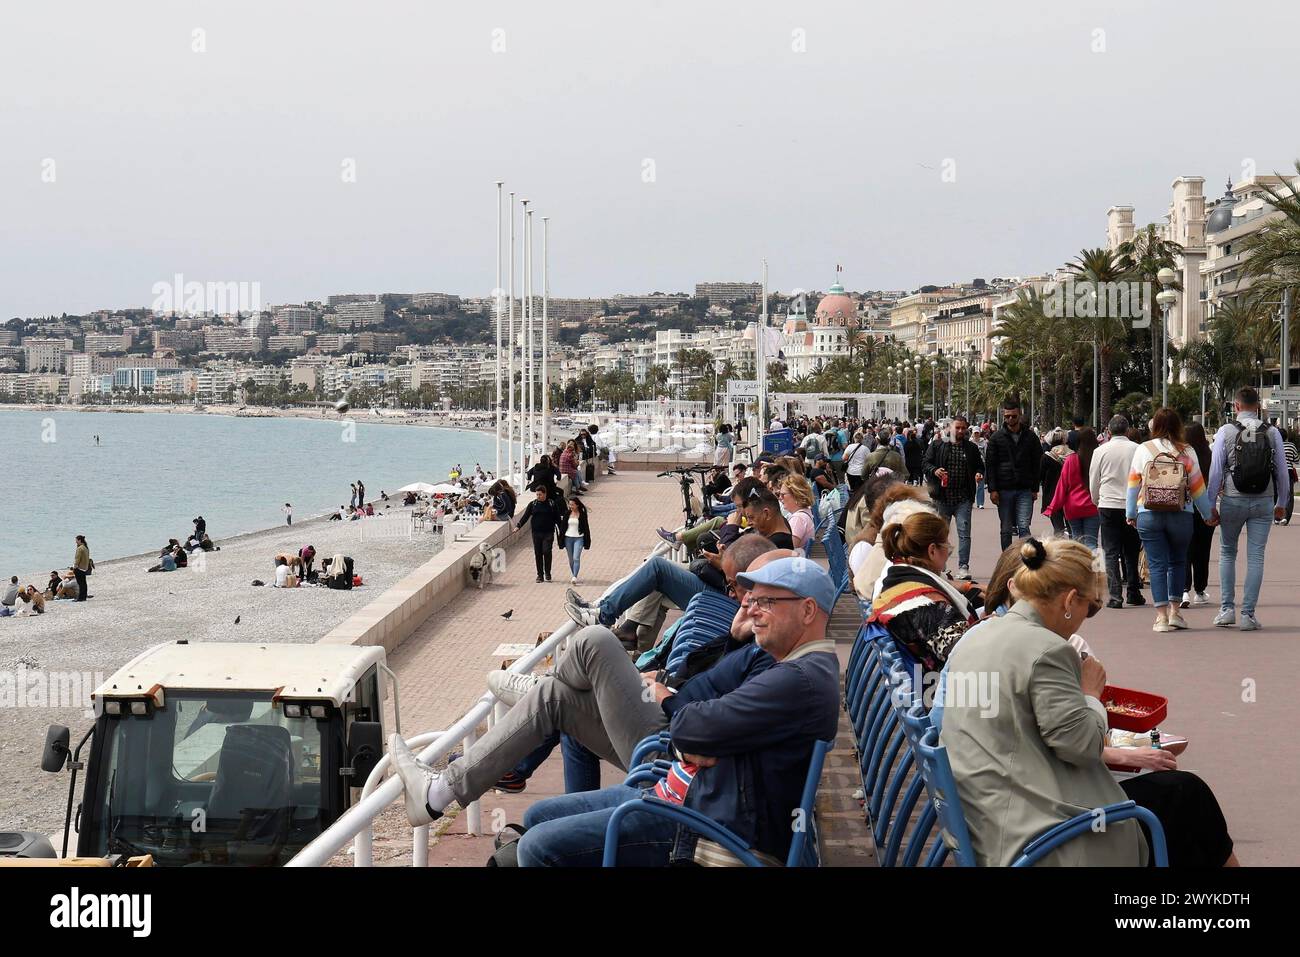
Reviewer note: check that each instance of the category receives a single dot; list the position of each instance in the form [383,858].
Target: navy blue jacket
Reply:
[762,734]
[726,675]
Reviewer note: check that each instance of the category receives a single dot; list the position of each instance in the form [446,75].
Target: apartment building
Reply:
[45,355]
[358,315]
[97,342]
[720,293]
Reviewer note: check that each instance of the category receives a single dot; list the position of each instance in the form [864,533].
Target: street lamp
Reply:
[934,372]
[970,361]
[1166,298]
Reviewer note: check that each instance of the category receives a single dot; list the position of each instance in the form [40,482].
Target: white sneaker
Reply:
[1177,621]
[510,686]
[963,573]
[1249,622]
[573,579]
[1226,618]
[1162,625]
[582,617]
[573,597]
[417,777]
[1200,599]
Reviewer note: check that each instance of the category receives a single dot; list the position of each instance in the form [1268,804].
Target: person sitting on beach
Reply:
[284,576]
[67,585]
[166,563]
[353,514]
[180,556]
[370,509]
[30,601]
[207,544]
[383,495]
[10,595]
[52,586]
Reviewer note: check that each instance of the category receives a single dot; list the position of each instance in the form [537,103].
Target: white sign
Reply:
[512,650]
[742,388]
[1284,395]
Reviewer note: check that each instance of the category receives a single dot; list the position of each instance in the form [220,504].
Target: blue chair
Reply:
[803,848]
[705,617]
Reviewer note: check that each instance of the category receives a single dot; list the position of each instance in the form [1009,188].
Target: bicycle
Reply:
[692,507]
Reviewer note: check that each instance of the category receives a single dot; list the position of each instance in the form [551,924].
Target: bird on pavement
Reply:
[506,615]
[237,617]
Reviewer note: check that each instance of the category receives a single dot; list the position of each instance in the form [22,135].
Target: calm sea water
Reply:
[152,474]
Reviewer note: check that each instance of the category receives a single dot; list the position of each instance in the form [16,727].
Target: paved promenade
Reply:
[1229,692]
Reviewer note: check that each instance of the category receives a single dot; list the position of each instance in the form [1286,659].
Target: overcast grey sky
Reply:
[227,165]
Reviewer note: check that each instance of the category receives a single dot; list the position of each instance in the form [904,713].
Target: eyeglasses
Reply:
[731,589]
[1094,606]
[765,603]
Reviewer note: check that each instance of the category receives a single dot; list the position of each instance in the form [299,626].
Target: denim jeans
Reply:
[1255,512]
[1166,536]
[979,494]
[574,547]
[675,582]
[581,767]
[961,512]
[569,831]
[1084,530]
[1015,510]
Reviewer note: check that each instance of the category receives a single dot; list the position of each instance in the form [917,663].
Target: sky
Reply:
[326,147]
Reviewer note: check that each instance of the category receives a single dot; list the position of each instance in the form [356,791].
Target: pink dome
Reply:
[837,309]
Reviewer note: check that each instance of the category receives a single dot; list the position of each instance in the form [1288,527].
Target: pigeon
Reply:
[237,617]
[507,614]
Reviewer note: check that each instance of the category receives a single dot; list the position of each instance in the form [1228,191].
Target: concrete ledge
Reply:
[405,606]
[658,461]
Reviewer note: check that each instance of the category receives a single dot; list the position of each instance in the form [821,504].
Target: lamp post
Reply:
[916,365]
[862,378]
[1166,298]
[934,372]
[970,361]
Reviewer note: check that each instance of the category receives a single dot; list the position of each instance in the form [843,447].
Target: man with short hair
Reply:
[953,465]
[1249,468]
[741,758]
[10,595]
[1011,472]
[1108,487]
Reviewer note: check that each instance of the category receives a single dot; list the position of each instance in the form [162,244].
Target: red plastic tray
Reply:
[1155,706]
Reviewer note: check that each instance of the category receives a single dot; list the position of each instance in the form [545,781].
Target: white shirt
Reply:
[281,576]
[857,462]
[1108,476]
[572,530]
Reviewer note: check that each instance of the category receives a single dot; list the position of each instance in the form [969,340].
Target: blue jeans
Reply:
[581,767]
[961,512]
[979,494]
[1015,510]
[1167,537]
[569,831]
[1255,512]
[1084,530]
[574,547]
[675,582]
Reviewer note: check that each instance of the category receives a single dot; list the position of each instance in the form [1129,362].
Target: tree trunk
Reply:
[1103,375]
[1076,373]
[1157,367]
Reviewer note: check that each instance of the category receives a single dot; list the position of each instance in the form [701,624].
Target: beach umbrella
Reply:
[445,488]
[419,488]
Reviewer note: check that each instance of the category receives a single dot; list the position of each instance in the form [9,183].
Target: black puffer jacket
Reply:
[1011,464]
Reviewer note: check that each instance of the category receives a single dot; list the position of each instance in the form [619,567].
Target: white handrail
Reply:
[358,819]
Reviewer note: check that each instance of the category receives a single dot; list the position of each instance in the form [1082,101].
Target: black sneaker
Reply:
[511,783]
[539,579]
[548,577]
[1135,598]
[1114,603]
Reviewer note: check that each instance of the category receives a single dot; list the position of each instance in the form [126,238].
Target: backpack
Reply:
[1164,483]
[832,442]
[1252,459]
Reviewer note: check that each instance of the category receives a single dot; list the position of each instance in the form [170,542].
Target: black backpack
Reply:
[1252,460]
[832,437]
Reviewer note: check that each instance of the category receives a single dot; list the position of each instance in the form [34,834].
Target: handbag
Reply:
[1164,483]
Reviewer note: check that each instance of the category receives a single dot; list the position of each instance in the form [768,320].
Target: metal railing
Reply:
[356,825]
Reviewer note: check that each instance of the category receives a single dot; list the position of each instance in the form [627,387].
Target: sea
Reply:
[151,474]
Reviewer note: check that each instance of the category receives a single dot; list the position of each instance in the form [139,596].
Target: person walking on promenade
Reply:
[1292,460]
[1049,473]
[575,536]
[1164,482]
[1247,459]
[1011,469]
[953,465]
[725,443]
[855,461]
[545,519]
[982,444]
[1198,555]
[288,513]
[914,456]
[1108,488]
[1071,498]
[82,564]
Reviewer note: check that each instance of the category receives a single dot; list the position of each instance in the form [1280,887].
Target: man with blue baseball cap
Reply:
[742,757]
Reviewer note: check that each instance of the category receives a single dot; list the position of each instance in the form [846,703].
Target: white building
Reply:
[45,355]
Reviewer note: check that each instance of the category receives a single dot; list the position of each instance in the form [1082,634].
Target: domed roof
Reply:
[1220,217]
[836,308]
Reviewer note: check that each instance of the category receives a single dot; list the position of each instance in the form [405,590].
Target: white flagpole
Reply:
[546,374]
[526,453]
[762,358]
[496,293]
[510,372]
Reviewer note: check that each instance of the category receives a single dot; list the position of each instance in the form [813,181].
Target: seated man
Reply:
[675,582]
[742,757]
[10,595]
[596,695]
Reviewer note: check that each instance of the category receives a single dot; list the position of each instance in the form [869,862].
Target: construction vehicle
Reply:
[222,753]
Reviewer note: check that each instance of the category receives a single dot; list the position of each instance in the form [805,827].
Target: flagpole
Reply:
[526,452]
[496,294]
[510,372]
[546,374]
[762,358]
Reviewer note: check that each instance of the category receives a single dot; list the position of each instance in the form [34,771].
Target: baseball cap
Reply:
[799,575]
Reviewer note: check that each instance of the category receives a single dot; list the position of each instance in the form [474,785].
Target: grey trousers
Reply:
[596,696]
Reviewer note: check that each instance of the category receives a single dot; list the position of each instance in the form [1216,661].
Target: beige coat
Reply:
[1035,760]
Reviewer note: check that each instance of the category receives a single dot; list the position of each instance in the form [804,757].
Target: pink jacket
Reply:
[1072,492]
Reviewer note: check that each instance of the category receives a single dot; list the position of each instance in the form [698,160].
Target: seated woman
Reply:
[504,500]
[180,556]
[861,507]
[1033,755]
[897,501]
[52,586]
[923,611]
[166,563]
[30,601]
[796,495]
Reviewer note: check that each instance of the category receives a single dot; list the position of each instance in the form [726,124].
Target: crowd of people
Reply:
[71,584]
[744,705]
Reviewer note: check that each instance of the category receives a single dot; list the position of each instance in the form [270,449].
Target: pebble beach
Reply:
[132,609]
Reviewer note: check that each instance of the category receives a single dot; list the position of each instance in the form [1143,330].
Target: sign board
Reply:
[742,388]
[1284,395]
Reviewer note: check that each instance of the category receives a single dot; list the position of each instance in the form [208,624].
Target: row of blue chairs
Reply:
[899,756]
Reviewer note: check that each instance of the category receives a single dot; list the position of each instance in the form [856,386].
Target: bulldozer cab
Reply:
[226,754]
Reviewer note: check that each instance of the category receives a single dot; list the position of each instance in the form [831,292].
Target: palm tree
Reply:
[1273,252]
[1143,257]
[1005,377]
[1110,333]
[1031,332]
[1224,360]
